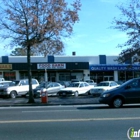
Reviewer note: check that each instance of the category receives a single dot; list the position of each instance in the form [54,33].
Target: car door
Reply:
[132,92]
[81,89]
[56,88]
[50,88]
[87,87]
[23,87]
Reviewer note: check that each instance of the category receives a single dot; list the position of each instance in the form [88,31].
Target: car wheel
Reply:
[117,102]
[76,94]
[13,94]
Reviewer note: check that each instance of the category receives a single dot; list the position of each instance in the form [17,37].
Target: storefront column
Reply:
[86,75]
[46,75]
[57,76]
[115,75]
[17,75]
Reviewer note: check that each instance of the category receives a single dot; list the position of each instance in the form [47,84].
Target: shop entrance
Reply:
[108,78]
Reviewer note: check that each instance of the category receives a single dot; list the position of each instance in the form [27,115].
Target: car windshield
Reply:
[42,85]
[103,84]
[125,83]
[74,85]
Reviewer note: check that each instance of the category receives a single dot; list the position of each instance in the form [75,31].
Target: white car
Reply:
[76,88]
[18,88]
[103,86]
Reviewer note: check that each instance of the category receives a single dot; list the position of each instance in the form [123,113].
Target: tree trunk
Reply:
[31,99]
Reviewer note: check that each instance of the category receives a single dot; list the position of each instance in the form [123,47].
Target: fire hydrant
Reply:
[44,95]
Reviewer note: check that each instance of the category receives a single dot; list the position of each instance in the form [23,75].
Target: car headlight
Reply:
[106,95]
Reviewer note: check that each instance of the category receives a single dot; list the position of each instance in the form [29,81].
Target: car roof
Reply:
[79,82]
[106,81]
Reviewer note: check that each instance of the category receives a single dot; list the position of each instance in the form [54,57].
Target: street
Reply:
[71,122]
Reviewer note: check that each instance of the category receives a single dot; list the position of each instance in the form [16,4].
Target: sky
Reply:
[92,35]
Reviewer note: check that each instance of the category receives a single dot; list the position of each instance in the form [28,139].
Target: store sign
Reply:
[114,67]
[51,66]
[6,66]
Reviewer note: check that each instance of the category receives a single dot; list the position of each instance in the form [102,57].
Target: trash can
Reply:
[44,95]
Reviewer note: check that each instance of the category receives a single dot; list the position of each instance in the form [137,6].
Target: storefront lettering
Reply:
[5,66]
[52,66]
[117,67]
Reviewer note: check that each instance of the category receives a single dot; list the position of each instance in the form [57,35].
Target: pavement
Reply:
[50,101]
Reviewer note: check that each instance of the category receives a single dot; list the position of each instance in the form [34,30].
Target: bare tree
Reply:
[129,22]
[37,24]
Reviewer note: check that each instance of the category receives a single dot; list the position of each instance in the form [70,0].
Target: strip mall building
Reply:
[66,68]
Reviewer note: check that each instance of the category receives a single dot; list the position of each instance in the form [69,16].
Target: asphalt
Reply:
[49,101]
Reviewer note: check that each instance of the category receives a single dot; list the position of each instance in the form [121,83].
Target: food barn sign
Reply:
[51,66]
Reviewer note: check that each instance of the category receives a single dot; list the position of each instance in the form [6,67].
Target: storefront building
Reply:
[66,68]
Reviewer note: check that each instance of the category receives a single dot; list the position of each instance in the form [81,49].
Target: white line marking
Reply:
[69,120]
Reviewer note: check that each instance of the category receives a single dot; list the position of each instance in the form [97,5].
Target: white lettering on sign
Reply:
[51,66]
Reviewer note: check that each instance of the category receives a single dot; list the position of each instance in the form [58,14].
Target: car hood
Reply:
[69,88]
[101,87]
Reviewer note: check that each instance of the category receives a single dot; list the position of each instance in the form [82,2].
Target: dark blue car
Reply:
[128,92]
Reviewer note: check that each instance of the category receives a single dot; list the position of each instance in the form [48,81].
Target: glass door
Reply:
[108,78]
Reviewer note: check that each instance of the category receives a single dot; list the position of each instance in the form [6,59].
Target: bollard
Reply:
[44,95]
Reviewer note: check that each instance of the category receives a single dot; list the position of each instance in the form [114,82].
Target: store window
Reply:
[64,77]
[126,75]
[9,76]
[37,75]
[99,76]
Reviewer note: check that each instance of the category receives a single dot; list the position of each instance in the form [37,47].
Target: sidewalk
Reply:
[51,101]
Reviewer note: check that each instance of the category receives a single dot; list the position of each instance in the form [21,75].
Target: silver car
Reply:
[52,88]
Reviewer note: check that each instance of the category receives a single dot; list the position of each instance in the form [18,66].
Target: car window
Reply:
[34,82]
[113,84]
[24,82]
[103,84]
[86,84]
[50,85]
[75,84]
[56,85]
[135,84]
[81,85]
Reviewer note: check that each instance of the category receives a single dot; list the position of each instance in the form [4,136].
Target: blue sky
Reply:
[92,35]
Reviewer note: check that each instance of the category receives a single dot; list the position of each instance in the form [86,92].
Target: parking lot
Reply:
[52,100]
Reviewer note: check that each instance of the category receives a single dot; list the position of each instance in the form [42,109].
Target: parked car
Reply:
[52,88]
[64,83]
[129,92]
[4,84]
[2,79]
[91,82]
[76,88]
[103,86]
[18,88]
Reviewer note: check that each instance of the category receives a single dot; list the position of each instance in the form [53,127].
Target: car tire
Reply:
[117,102]
[76,94]
[13,94]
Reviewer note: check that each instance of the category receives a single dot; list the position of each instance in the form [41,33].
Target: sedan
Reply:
[76,88]
[52,88]
[103,86]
